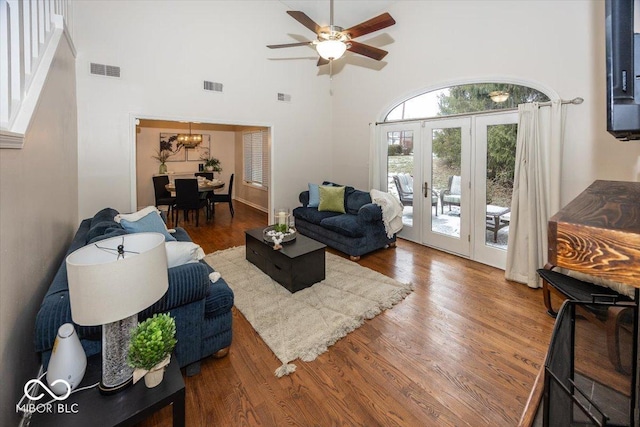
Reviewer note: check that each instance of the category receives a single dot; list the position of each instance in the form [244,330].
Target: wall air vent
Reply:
[99,69]
[284,97]
[105,70]
[213,86]
[113,71]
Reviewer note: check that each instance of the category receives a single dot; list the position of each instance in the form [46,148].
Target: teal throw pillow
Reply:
[151,222]
[331,199]
[314,196]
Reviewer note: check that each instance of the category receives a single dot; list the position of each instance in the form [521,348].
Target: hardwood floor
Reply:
[462,350]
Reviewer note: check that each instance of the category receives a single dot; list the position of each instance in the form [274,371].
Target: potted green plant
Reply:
[162,156]
[211,164]
[152,342]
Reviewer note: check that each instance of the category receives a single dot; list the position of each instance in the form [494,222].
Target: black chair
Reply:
[208,194]
[208,175]
[188,199]
[225,198]
[163,196]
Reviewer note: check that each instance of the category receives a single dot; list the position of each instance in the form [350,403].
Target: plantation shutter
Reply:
[256,157]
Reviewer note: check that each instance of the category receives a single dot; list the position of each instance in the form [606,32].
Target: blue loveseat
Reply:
[202,310]
[358,231]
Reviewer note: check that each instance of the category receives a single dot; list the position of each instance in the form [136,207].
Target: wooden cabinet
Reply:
[598,233]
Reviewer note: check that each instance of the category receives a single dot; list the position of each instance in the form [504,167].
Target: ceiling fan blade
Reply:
[366,50]
[374,24]
[279,46]
[322,61]
[302,18]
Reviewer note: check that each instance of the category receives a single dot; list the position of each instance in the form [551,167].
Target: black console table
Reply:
[130,406]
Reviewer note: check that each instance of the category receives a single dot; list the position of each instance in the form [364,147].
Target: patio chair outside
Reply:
[405,189]
[404,184]
[451,196]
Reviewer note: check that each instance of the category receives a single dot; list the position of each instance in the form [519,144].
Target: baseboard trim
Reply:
[253,205]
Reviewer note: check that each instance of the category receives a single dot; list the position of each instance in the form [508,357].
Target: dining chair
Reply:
[163,196]
[208,175]
[225,198]
[208,194]
[188,199]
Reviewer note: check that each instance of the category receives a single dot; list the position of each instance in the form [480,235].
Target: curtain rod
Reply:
[574,101]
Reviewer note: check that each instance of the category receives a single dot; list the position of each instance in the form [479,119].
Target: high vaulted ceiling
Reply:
[346,13]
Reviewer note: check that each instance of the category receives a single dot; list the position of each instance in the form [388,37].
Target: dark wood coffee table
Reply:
[298,265]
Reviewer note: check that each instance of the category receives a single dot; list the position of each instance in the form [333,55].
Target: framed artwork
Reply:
[202,150]
[168,142]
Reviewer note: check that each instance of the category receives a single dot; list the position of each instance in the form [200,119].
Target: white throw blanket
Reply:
[391,211]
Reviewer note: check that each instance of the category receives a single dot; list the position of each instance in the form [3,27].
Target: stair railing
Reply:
[30,31]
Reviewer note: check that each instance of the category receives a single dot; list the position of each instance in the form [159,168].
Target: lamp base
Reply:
[116,373]
[106,390]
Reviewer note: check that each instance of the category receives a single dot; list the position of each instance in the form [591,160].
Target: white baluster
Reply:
[5,64]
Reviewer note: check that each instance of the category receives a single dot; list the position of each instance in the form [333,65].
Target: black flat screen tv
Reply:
[623,68]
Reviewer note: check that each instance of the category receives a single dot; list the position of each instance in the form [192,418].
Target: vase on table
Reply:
[163,168]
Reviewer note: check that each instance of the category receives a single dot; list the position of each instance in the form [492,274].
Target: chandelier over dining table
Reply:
[189,140]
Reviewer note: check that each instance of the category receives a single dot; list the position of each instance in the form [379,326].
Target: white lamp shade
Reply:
[105,289]
[331,49]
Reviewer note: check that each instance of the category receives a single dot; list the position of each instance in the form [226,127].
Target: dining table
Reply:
[204,185]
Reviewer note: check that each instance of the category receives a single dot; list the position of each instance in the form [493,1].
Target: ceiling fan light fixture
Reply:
[499,96]
[331,49]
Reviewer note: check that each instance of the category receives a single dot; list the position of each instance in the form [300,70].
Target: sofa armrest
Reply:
[370,212]
[304,198]
[187,283]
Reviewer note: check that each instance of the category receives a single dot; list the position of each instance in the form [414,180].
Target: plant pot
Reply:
[156,374]
[163,168]
[208,168]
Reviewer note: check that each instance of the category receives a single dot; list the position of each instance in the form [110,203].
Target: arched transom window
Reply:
[465,99]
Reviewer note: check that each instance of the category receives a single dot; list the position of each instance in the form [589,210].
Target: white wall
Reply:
[554,44]
[147,144]
[38,218]
[165,51]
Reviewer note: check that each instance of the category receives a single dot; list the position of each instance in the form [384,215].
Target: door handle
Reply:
[425,188]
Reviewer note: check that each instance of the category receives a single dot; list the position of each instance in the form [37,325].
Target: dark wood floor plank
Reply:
[463,349]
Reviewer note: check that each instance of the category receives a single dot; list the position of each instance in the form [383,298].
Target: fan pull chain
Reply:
[330,77]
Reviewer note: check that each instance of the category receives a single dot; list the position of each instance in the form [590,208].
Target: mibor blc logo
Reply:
[52,406]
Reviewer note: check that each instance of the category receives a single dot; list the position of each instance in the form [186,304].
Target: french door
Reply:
[459,170]
[446,150]
[494,158]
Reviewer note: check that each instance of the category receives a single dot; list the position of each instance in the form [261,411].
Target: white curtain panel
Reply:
[375,158]
[536,189]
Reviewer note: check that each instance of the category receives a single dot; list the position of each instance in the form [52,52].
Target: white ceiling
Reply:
[346,13]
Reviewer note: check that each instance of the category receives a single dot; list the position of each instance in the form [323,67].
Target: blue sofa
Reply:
[358,231]
[202,310]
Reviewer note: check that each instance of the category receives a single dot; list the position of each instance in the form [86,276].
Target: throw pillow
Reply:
[145,220]
[331,199]
[314,196]
[179,253]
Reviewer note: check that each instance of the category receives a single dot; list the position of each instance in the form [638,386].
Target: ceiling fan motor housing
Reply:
[333,32]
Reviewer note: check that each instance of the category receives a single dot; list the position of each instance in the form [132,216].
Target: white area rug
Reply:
[304,324]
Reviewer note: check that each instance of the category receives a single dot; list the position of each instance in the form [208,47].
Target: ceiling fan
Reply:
[333,41]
